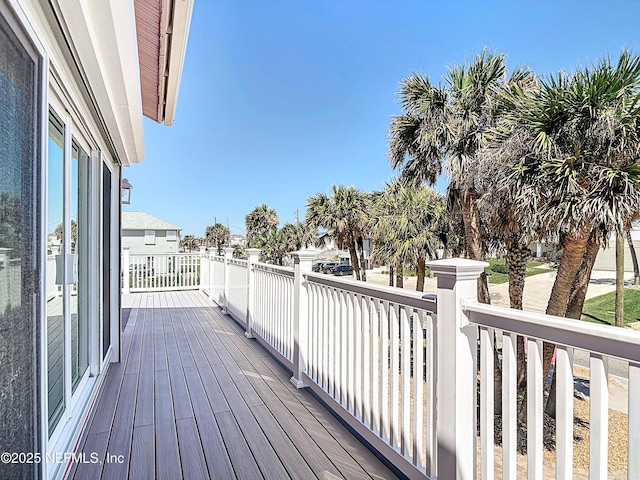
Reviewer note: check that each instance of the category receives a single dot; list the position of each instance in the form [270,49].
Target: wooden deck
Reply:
[193,398]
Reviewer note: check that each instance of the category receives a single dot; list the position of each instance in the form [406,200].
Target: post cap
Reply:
[304,254]
[458,267]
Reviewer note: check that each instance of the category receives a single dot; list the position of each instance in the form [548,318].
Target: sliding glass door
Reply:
[68,337]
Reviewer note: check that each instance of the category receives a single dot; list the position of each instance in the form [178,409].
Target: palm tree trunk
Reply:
[362,261]
[576,302]
[517,257]
[399,275]
[634,258]
[421,274]
[573,251]
[351,245]
[390,276]
[473,240]
[574,247]
[581,282]
[619,280]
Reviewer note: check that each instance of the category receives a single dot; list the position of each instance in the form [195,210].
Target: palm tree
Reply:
[404,224]
[343,215]
[297,236]
[578,136]
[261,220]
[217,235]
[580,148]
[446,125]
[189,243]
[274,247]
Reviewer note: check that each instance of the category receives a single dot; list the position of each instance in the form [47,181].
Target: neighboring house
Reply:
[367,247]
[235,239]
[144,234]
[606,259]
[76,77]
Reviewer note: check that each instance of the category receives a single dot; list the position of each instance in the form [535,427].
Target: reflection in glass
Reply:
[79,318]
[54,286]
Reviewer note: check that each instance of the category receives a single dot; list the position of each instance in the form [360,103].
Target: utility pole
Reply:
[297,221]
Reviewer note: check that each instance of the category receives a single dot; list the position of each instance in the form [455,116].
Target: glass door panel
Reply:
[55,260]
[79,251]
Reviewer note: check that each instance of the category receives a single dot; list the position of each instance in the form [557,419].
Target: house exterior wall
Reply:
[95,139]
[606,259]
[135,241]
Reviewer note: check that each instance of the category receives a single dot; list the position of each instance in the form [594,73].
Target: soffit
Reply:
[162,28]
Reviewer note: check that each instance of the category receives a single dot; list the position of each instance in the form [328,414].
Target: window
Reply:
[172,236]
[149,237]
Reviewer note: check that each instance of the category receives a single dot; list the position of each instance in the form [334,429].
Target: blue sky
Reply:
[281,99]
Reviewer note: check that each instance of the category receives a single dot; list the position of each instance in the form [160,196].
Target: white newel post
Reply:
[209,258]
[254,254]
[228,255]
[126,260]
[456,371]
[302,261]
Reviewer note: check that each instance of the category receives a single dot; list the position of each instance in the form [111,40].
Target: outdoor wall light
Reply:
[125,191]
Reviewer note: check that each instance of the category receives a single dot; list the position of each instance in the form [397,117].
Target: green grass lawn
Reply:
[497,270]
[601,309]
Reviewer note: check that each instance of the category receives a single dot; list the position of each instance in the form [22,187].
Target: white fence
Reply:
[160,272]
[10,281]
[412,375]
[273,313]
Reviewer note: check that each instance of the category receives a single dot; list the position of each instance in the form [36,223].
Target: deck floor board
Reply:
[194,398]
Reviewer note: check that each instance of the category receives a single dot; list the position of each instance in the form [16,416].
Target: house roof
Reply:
[144,221]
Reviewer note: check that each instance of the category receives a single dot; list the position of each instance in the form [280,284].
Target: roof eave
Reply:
[177,48]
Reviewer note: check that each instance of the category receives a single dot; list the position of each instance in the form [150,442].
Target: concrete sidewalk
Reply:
[537,289]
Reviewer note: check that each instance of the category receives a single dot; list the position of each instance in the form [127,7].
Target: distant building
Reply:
[145,234]
[235,239]
[606,259]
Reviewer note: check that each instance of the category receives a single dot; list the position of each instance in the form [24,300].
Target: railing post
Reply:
[254,254]
[228,254]
[457,349]
[126,260]
[302,261]
[209,258]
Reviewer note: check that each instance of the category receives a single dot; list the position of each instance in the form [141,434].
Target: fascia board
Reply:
[183,10]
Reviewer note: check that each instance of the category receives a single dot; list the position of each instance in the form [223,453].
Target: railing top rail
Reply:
[390,294]
[179,254]
[277,269]
[601,339]
[237,261]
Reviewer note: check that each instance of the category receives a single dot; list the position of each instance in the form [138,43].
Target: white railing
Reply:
[10,282]
[237,289]
[600,343]
[371,352]
[273,317]
[402,369]
[53,290]
[160,272]
[205,274]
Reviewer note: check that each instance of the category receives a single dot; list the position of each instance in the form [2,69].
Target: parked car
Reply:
[327,266]
[316,267]
[342,270]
